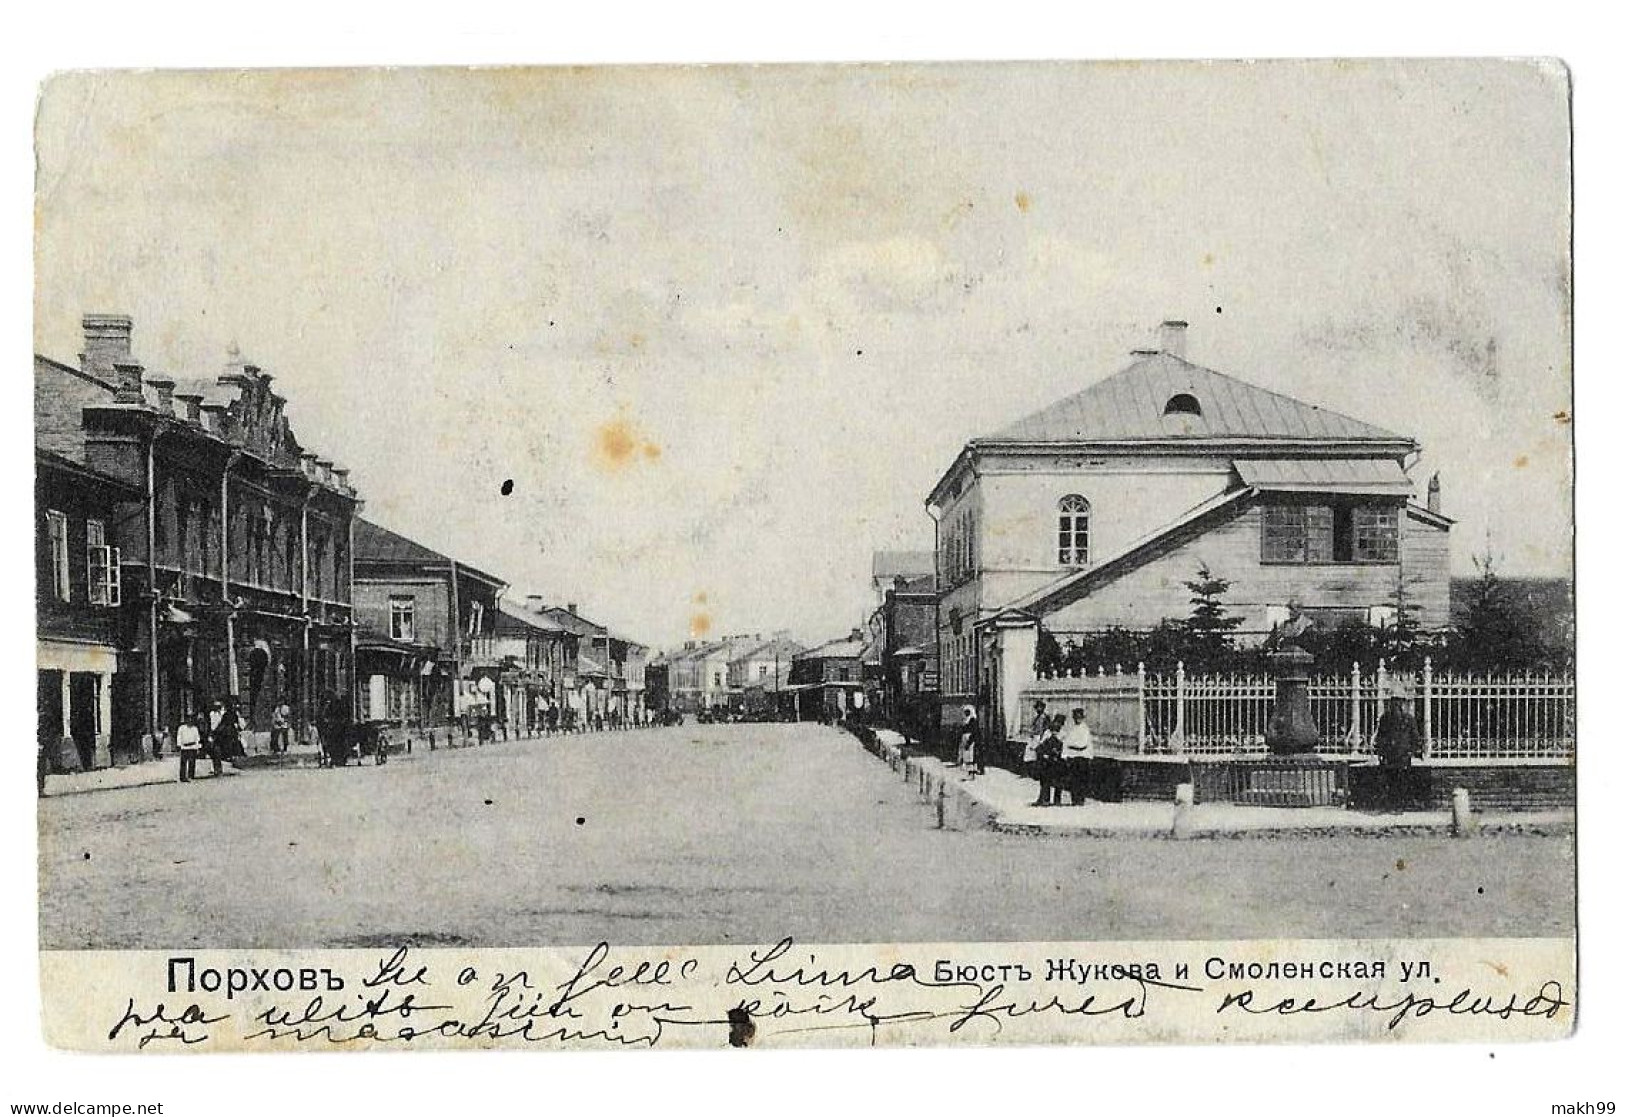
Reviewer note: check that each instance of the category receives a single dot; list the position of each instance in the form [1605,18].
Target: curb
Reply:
[973,812]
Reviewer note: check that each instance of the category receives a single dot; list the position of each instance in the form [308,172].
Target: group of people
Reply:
[219,733]
[1058,755]
[565,719]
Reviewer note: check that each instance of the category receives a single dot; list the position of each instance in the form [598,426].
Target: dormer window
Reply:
[1072,531]
[1182,404]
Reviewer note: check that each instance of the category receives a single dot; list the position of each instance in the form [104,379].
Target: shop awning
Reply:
[1353,476]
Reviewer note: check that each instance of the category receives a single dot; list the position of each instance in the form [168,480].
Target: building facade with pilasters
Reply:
[234,549]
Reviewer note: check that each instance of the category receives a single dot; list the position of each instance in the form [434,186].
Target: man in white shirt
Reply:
[1077,752]
[190,742]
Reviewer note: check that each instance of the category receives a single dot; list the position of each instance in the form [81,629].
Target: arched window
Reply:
[1182,404]
[1072,533]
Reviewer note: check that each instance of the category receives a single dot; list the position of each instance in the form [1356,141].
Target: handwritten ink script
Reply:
[790,994]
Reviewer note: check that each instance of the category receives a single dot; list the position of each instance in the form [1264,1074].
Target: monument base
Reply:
[1272,781]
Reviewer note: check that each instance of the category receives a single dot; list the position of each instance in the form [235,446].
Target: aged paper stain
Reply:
[618,444]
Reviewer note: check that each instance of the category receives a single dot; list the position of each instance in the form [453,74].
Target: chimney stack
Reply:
[217,420]
[1433,495]
[107,343]
[127,378]
[535,602]
[165,387]
[571,608]
[1171,337]
[194,407]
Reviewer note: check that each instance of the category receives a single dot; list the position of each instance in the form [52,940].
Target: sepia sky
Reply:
[723,328]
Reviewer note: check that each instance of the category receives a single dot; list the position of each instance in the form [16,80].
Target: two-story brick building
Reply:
[233,539]
[826,681]
[1093,512]
[426,646]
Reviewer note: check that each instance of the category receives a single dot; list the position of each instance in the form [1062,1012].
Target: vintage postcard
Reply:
[931,554]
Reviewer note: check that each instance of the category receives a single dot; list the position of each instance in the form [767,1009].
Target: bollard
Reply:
[942,806]
[1184,802]
[1463,824]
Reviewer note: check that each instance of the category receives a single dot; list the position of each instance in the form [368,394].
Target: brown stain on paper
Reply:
[699,624]
[1024,201]
[618,444]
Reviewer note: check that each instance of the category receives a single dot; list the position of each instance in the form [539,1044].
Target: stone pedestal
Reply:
[1291,730]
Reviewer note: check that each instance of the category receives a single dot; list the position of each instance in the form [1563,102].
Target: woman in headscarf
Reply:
[970,743]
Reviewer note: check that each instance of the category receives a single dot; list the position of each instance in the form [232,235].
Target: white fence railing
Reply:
[1527,718]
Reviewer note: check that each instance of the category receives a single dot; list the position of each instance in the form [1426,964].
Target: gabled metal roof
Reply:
[1130,405]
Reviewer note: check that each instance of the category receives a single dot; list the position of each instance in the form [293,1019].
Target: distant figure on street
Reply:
[1077,755]
[970,744]
[1398,742]
[281,719]
[189,741]
[216,738]
[230,731]
[1047,762]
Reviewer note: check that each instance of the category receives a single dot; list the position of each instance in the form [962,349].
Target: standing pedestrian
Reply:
[970,744]
[1399,740]
[216,737]
[1077,756]
[281,719]
[1047,762]
[189,742]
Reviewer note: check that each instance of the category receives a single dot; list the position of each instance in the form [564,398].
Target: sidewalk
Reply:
[1001,800]
[166,770]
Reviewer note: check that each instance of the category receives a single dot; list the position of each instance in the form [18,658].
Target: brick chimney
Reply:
[571,608]
[1433,495]
[194,407]
[127,383]
[107,343]
[1171,337]
[165,387]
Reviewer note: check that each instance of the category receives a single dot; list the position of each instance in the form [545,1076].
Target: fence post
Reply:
[1179,704]
[1427,707]
[1141,748]
[1354,721]
[1382,681]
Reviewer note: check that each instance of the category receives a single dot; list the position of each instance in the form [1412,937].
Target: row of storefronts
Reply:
[191,550]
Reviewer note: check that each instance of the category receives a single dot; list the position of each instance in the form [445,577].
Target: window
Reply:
[56,527]
[1276,615]
[1072,535]
[761,671]
[1380,616]
[1376,534]
[1182,404]
[1297,533]
[1315,533]
[403,618]
[102,566]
